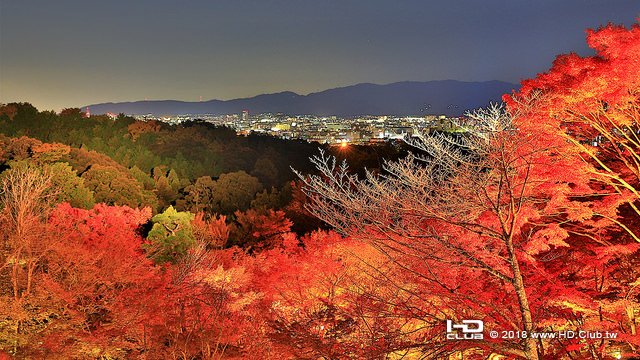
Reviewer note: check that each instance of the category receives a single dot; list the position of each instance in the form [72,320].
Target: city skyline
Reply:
[69,53]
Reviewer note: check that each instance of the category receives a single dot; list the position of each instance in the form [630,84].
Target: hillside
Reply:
[402,98]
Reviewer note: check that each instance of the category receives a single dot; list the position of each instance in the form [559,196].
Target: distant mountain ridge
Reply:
[449,97]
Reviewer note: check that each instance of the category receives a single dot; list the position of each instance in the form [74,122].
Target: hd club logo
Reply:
[468,330]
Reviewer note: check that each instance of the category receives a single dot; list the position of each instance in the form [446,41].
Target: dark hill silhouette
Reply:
[448,97]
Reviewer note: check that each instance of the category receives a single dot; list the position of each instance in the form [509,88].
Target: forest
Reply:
[126,239]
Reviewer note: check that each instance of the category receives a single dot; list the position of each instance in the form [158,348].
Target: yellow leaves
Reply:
[576,307]
[409,354]
[13,260]
[232,278]
[245,300]
[555,323]
[413,325]
[94,352]
[234,282]
[635,283]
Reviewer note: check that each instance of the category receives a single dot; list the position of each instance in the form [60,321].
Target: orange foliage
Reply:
[591,106]
[138,128]
[214,232]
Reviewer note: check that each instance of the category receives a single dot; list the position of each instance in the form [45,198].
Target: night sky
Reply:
[57,54]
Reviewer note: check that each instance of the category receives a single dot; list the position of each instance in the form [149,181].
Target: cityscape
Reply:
[330,130]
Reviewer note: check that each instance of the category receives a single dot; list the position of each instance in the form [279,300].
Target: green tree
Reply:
[166,194]
[265,170]
[274,199]
[113,187]
[69,186]
[200,196]
[142,177]
[171,236]
[174,180]
[22,153]
[234,191]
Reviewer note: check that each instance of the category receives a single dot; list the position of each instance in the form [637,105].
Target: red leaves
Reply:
[581,84]
[615,43]
[256,230]
[214,231]
[575,347]
[587,108]
[100,273]
[544,239]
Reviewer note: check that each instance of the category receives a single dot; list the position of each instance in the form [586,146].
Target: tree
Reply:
[166,194]
[174,180]
[234,191]
[303,221]
[8,110]
[137,128]
[23,119]
[142,177]
[579,99]
[20,148]
[257,230]
[213,232]
[69,186]
[482,206]
[315,302]
[25,201]
[167,185]
[200,195]
[100,293]
[265,170]
[209,312]
[47,153]
[274,199]
[112,186]
[593,103]
[171,236]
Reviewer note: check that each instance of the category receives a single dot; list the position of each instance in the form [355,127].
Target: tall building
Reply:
[245,115]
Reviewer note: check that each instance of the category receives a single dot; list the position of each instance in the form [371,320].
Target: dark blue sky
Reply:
[61,53]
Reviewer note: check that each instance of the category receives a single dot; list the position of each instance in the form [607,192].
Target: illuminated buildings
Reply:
[323,129]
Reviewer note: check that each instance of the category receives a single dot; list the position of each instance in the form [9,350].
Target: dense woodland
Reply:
[195,167]
[124,239]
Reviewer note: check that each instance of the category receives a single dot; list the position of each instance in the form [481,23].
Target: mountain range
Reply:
[448,97]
